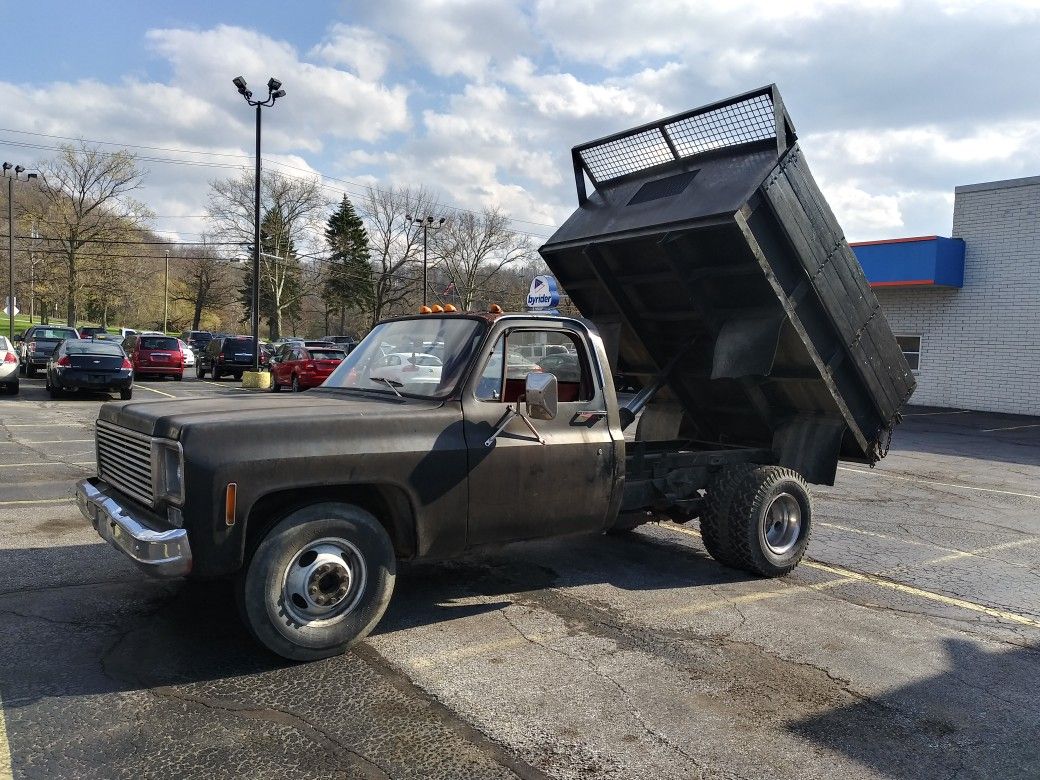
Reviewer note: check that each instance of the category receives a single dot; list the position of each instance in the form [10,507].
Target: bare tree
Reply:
[294,206]
[396,253]
[473,248]
[86,209]
[204,281]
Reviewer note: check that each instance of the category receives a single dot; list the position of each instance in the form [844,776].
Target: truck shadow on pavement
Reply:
[979,718]
[79,620]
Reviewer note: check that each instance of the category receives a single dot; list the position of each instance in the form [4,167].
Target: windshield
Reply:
[53,334]
[394,357]
[158,342]
[93,348]
[326,354]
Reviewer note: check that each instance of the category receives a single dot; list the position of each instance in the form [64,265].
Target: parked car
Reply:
[346,343]
[90,331]
[227,356]
[156,356]
[197,339]
[98,365]
[408,368]
[564,365]
[124,332]
[189,354]
[301,368]
[8,367]
[38,343]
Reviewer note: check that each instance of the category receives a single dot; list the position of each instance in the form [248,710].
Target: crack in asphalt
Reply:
[369,769]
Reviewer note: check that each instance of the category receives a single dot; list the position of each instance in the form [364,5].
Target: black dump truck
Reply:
[708,269]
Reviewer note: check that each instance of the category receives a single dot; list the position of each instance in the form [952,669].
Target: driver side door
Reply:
[520,488]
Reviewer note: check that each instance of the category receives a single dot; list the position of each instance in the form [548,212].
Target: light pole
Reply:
[427,224]
[166,296]
[274,91]
[18,169]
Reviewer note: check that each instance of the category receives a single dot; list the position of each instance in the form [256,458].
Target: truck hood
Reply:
[167,419]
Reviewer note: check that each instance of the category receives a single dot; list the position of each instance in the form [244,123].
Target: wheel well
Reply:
[388,504]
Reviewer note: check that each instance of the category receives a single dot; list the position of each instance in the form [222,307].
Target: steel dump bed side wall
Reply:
[728,271]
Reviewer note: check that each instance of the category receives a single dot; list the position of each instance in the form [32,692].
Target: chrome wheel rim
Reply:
[783,524]
[323,582]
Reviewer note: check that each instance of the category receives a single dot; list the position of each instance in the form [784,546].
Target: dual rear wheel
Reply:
[757,518]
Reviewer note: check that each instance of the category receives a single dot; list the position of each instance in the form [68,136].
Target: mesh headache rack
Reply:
[751,118]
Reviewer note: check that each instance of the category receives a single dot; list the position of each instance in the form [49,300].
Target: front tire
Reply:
[318,582]
[275,387]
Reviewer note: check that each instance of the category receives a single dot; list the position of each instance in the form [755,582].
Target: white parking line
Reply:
[6,770]
[37,425]
[46,463]
[1012,617]
[68,500]
[152,389]
[935,414]
[59,441]
[1010,428]
[879,473]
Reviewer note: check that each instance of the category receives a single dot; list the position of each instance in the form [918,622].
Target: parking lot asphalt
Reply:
[907,646]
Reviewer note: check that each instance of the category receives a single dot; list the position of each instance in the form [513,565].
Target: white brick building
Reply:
[979,344]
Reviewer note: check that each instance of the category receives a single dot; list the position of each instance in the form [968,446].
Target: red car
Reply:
[157,356]
[299,367]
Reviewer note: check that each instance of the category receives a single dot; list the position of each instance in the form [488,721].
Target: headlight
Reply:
[171,472]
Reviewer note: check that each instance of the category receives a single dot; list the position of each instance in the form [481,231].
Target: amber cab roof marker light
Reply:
[449,308]
[437,308]
[425,310]
[494,309]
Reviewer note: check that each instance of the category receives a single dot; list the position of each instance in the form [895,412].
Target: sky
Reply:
[480,101]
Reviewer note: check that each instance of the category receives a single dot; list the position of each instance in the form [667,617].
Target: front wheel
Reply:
[275,387]
[319,581]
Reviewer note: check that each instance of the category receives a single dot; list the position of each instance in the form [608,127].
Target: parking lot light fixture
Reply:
[11,178]
[427,223]
[274,91]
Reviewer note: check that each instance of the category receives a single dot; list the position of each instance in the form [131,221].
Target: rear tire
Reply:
[178,377]
[318,582]
[30,372]
[769,521]
[216,374]
[715,520]
[126,395]
[200,373]
[275,387]
[296,385]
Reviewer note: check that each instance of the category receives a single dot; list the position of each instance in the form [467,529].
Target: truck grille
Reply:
[124,460]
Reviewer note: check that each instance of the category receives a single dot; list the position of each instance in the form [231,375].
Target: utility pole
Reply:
[32,272]
[166,296]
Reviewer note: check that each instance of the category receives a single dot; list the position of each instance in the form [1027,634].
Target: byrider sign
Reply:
[544,293]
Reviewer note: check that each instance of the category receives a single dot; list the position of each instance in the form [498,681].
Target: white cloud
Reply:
[357,48]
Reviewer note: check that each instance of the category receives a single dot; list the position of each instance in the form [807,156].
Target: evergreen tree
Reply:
[348,278]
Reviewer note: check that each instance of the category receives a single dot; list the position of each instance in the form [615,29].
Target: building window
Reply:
[911,348]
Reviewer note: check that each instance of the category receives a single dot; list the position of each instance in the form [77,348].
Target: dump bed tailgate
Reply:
[706,251]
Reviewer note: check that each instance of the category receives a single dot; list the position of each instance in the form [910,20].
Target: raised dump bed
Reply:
[709,259]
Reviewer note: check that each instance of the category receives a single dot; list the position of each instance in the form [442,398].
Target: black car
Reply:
[229,355]
[198,339]
[97,365]
[38,343]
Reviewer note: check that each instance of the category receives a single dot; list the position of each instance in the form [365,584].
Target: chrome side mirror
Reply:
[541,395]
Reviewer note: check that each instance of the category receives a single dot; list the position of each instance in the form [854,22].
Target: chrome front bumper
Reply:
[159,553]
